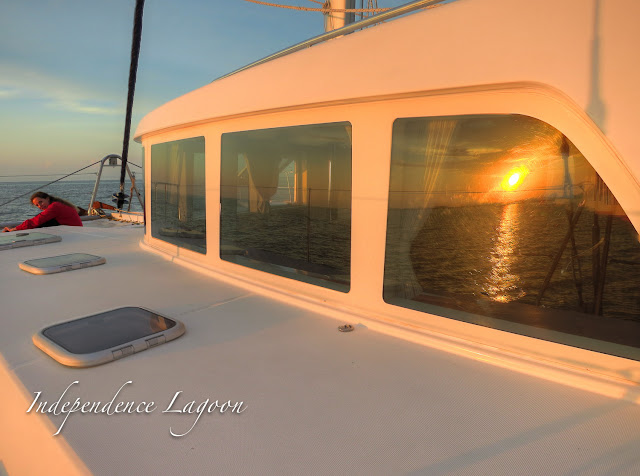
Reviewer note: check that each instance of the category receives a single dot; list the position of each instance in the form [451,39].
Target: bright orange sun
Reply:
[514,179]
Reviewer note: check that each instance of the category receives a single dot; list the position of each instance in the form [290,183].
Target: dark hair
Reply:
[45,195]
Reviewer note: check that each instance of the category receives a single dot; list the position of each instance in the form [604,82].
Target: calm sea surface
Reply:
[503,253]
[77,192]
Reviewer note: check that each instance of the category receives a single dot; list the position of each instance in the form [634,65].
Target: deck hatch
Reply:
[60,263]
[106,336]
[19,240]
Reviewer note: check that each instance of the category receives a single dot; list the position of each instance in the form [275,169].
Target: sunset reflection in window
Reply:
[499,220]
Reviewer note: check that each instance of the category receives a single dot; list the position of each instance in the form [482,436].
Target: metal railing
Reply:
[396,12]
[112,158]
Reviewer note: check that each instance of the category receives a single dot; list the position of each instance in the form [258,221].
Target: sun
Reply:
[514,179]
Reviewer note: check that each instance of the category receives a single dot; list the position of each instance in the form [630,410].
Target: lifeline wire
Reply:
[57,180]
[42,186]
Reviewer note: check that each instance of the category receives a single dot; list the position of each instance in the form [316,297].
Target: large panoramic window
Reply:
[500,221]
[178,193]
[286,202]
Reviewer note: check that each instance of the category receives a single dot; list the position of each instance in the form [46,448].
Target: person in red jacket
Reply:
[55,211]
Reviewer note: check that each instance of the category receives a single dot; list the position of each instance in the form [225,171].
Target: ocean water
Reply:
[503,252]
[77,192]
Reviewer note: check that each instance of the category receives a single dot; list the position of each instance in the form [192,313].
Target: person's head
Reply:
[41,200]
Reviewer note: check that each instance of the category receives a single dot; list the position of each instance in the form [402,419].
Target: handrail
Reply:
[112,158]
[398,11]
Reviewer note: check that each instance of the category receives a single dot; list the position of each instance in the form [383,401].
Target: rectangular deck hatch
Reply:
[20,239]
[58,264]
[107,336]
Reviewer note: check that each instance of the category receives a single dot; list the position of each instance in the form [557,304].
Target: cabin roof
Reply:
[317,400]
[583,53]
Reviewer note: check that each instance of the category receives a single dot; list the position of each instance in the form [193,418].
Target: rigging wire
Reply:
[45,185]
[54,181]
[56,175]
[41,175]
[325,8]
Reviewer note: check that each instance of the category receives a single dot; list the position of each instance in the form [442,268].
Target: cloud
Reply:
[8,93]
[54,92]
[484,150]
[86,108]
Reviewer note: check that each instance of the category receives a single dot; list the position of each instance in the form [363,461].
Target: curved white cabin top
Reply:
[580,53]
[565,73]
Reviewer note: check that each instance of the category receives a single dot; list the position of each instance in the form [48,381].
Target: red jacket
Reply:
[63,214]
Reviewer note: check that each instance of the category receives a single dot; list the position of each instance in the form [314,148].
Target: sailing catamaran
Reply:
[468,209]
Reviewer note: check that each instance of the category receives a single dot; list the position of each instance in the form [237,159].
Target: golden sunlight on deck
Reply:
[45,454]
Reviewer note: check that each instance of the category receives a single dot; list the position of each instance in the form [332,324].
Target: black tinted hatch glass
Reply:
[107,329]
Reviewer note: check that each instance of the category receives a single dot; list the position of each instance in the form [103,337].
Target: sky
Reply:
[64,68]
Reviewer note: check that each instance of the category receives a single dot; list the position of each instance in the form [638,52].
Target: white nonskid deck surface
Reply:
[317,401]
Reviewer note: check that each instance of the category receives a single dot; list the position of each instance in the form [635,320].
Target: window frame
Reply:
[281,269]
[581,329]
[176,241]
[370,196]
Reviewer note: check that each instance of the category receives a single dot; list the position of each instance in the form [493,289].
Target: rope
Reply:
[325,8]
[133,69]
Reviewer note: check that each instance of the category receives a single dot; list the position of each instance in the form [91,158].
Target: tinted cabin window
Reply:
[178,193]
[141,180]
[286,202]
[501,221]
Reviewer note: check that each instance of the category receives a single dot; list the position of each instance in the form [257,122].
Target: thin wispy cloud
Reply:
[86,108]
[8,93]
[53,92]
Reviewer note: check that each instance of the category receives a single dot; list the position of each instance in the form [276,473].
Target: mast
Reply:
[333,18]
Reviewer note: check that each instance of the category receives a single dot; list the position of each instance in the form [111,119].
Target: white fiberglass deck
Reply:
[315,400]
